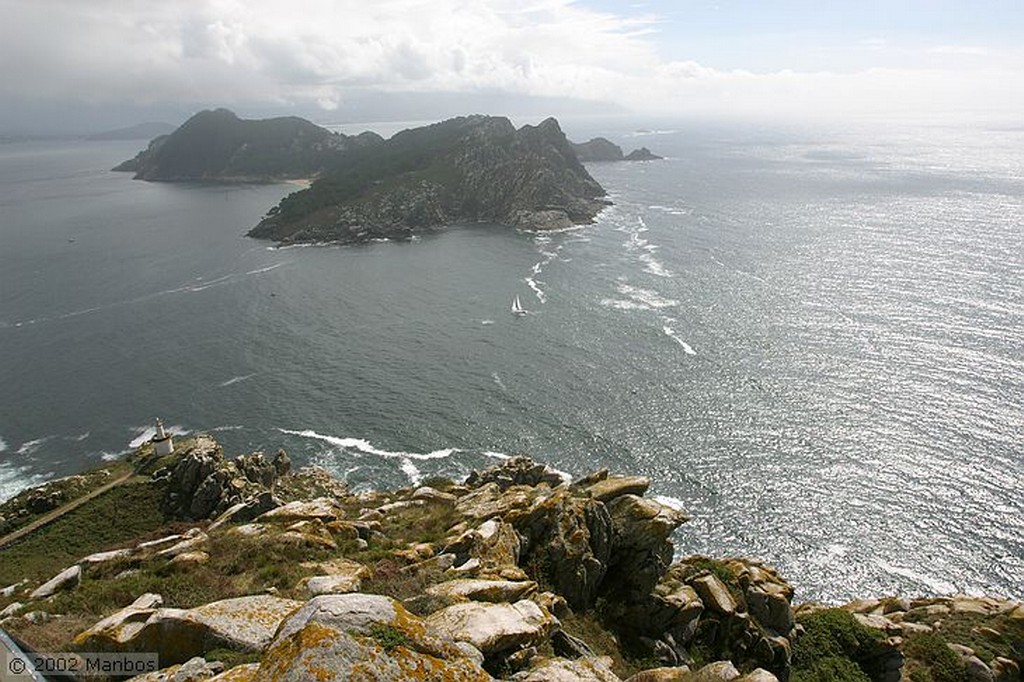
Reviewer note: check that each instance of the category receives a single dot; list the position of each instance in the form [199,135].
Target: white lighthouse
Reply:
[162,442]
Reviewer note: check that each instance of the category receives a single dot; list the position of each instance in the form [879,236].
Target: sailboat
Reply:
[517,307]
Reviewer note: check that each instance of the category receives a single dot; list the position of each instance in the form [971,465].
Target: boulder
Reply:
[240,673]
[483,590]
[563,670]
[362,636]
[714,594]
[977,671]
[495,628]
[245,624]
[1005,670]
[428,494]
[322,509]
[568,543]
[494,545]
[666,674]
[719,671]
[65,580]
[759,675]
[640,551]
[339,575]
[613,486]
[491,500]
[11,609]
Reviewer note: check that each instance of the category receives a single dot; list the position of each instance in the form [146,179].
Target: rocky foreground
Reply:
[255,572]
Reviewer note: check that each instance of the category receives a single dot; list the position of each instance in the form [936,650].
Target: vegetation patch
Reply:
[933,661]
[388,636]
[834,648]
[117,516]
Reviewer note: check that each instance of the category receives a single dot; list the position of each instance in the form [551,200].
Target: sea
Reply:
[810,338]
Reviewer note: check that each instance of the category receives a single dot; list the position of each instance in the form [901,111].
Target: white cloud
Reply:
[257,52]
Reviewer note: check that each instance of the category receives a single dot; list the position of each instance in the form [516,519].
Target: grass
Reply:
[963,628]
[118,516]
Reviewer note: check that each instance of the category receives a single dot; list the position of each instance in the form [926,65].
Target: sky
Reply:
[93,64]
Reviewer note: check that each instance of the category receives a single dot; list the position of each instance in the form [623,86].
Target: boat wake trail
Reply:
[195,286]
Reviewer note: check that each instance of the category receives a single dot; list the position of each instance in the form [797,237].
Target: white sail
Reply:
[517,307]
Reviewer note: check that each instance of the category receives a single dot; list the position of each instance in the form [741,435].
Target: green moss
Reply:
[717,567]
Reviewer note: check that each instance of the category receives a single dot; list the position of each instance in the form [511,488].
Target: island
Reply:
[218,146]
[245,569]
[469,169]
[603,149]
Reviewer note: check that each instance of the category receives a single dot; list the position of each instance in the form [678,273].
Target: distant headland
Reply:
[463,170]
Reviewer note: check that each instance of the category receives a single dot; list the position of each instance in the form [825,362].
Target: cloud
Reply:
[321,53]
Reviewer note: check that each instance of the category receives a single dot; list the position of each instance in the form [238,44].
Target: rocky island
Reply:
[242,569]
[217,146]
[469,169]
[464,170]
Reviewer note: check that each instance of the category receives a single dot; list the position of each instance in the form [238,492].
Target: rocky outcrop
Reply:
[203,483]
[515,574]
[216,145]
[468,169]
[601,149]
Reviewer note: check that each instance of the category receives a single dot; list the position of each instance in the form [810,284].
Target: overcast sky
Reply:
[89,64]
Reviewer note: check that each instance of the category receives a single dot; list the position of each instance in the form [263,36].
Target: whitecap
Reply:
[30,446]
[486,322]
[113,456]
[934,585]
[235,427]
[80,437]
[670,502]
[654,266]
[648,297]
[14,479]
[235,380]
[364,446]
[3,445]
[498,381]
[671,333]
[410,470]
[535,286]
[497,455]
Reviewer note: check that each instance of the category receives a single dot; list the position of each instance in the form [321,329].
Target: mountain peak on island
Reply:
[466,169]
[217,145]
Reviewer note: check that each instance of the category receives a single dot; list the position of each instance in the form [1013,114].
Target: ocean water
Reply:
[811,340]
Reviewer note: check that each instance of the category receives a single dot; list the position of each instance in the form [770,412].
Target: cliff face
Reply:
[218,146]
[469,169]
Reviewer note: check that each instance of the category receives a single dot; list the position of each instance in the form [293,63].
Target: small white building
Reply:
[162,442]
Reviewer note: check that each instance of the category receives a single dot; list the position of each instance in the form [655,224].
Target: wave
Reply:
[80,437]
[486,322]
[670,502]
[235,380]
[14,479]
[30,446]
[498,382]
[113,456]
[671,333]
[235,427]
[365,447]
[934,585]
[646,297]
[3,445]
